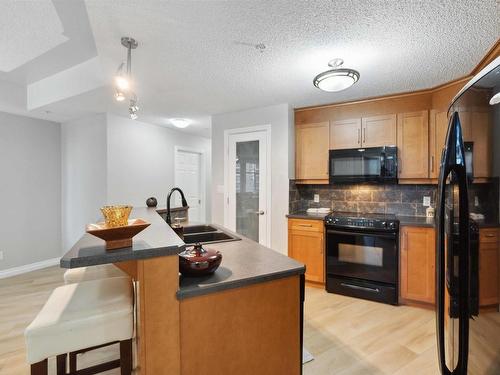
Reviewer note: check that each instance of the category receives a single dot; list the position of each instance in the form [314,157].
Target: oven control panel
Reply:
[366,223]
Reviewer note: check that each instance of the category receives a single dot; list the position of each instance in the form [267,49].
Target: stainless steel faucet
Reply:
[184,203]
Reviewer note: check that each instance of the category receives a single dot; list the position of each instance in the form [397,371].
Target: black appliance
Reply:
[362,256]
[468,342]
[371,164]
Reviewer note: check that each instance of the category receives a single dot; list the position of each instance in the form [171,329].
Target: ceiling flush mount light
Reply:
[123,79]
[180,122]
[337,78]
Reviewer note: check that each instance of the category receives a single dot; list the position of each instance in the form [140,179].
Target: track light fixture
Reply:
[123,79]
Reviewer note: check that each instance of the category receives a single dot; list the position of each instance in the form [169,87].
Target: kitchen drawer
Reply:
[488,235]
[306,225]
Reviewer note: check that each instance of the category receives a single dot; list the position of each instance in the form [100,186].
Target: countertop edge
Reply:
[182,295]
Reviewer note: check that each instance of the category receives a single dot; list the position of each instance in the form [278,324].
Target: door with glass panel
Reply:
[247,211]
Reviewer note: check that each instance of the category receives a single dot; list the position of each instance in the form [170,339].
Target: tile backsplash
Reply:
[396,199]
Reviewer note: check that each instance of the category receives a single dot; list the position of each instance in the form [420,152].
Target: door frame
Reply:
[203,176]
[250,129]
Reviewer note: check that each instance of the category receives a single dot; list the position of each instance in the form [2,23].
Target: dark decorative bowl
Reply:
[151,202]
[198,261]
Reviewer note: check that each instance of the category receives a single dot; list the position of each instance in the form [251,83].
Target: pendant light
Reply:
[337,78]
[123,79]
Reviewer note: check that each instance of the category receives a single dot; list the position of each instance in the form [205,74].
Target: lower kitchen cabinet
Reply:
[488,266]
[417,264]
[306,244]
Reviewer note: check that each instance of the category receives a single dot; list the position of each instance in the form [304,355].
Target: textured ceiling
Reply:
[41,38]
[196,58]
[192,59]
[28,30]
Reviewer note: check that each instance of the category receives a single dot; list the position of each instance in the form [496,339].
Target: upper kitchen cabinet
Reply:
[371,131]
[476,127]
[438,126]
[345,134]
[413,145]
[378,131]
[311,158]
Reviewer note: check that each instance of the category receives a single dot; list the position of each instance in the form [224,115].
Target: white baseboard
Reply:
[28,268]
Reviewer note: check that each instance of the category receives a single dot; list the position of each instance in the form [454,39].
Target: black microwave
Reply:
[371,164]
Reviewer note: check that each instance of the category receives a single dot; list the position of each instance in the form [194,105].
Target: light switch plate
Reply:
[476,201]
[427,201]
[316,198]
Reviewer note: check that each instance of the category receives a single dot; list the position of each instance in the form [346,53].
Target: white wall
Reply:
[30,190]
[141,160]
[84,160]
[279,117]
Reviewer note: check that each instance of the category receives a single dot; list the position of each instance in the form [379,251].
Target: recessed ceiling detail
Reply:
[29,29]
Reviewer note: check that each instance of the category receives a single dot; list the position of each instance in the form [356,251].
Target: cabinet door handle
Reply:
[305,225]
[364,135]
[432,163]
[359,138]
[489,235]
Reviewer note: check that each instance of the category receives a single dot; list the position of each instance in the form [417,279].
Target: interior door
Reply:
[248,185]
[188,178]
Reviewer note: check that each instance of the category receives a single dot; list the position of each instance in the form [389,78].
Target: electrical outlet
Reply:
[476,201]
[427,201]
[1,255]
[316,198]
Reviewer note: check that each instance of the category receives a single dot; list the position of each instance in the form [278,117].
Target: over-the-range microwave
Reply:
[371,164]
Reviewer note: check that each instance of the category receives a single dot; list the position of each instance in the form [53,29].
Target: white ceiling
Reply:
[196,58]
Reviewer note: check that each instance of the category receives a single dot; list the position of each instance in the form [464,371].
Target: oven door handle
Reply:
[363,288]
[346,233]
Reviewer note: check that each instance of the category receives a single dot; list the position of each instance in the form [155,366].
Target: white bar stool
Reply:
[103,271]
[82,317]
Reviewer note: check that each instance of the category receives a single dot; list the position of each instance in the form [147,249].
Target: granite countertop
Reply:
[307,216]
[156,240]
[244,262]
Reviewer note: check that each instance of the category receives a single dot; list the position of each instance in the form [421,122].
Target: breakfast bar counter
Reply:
[251,306]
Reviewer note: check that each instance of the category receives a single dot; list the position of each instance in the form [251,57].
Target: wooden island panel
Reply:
[246,331]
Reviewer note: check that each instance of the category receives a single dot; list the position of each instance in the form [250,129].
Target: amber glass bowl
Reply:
[116,216]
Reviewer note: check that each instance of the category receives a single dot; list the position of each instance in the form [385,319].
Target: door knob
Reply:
[259,212]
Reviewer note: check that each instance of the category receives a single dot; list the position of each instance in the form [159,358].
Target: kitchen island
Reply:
[246,318]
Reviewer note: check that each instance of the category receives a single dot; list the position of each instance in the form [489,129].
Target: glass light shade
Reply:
[122,83]
[119,96]
[336,79]
[180,122]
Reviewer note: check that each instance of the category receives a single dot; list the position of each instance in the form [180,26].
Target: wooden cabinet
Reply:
[477,128]
[417,264]
[438,126]
[312,144]
[413,145]
[345,134]
[488,266]
[371,131]
[306,244]
[378,131]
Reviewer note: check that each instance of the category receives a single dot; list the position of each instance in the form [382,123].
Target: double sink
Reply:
[206,234]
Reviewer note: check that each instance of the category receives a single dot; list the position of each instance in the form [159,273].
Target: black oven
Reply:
[371,164]
[362,258]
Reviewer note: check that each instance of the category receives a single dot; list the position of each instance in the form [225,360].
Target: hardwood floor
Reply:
[349,336]
[346,336]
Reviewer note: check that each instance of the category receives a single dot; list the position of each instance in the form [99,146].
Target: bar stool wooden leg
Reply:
[72,362]
[61,364]
[40,368]
[126,357]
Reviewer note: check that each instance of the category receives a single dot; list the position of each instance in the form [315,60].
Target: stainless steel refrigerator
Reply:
[468,335]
